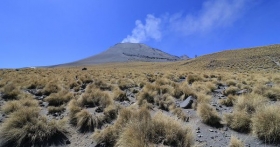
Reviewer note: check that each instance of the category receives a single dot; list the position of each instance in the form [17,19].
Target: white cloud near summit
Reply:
[143,32]
[212,15]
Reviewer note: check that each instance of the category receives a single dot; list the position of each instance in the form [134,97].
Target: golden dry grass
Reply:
[208,114]
[27,128]
[235,142]
[265,123]
[155,86]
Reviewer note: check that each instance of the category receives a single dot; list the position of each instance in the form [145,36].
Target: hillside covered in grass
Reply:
[141,104]
[251,59]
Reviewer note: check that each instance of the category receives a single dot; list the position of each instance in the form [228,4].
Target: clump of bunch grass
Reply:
[138,128]
[60,98]
[120,95]
[238,120]
[53,109]
[16,105]
[27,128]
[208,115]
[265,123]
[85,121]
[229,101]
[273,93]
[51,87]
[165,102]
[111,112]
[171,131]
[235,142]
[126,83]
[10,92]
[244,107]
[231,91]
[95,98]
[102,85]
[193,78]
[148,96]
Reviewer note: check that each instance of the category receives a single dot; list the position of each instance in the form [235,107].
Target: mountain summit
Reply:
[125,52]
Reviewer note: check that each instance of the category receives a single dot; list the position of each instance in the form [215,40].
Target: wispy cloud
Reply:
[213,14]
[143,32]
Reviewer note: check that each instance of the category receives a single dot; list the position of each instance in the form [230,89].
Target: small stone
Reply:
[198,128]
[226,128]
[198,131]
[68,142]
[212,137]
[200,135]
[211,130]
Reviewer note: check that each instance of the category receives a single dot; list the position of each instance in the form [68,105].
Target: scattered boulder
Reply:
[84,68]
[187,103]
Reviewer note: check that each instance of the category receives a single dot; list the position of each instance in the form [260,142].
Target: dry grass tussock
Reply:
[244,107]
[10,91]
[235,142]
[27,128]
[208,114]
[17,105]
[138,128]
[60,98]
[95,98]
[265,123]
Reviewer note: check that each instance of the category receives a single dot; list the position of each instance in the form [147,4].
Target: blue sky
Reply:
[48,32]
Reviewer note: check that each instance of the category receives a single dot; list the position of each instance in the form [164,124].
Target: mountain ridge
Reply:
[125,52]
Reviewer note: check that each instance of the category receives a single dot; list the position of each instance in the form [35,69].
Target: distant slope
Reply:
[256,59]
[124,52]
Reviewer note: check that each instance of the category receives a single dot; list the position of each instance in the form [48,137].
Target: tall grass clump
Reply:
[10,92]
[244,107]
[28,128]
[95,98]
[208,114]
[60,98]
[137,128]
[235,142]
[193,78]
[265,123]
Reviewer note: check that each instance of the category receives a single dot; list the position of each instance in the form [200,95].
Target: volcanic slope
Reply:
[125,52]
